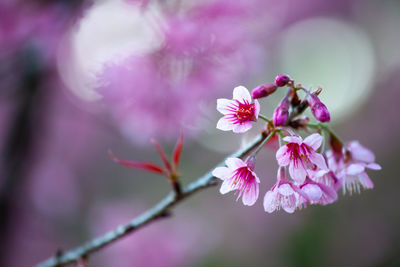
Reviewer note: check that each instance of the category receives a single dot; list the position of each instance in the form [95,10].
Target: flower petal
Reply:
[256,108]
[297,171]
[224,124]
[318,160]
[241,93]
[234,163]
[285,190]
[222,172]
[282,156]
[360,153]
[226,187]
[242,127]
[225,105]
[255,176]
[329,194]
[250,197]
[293,139]
[314,140]
[289,203]
[313,192]
[366,181]
[374,166]
[355,169]
[270,201]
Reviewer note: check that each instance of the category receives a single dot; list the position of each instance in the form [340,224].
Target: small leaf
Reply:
[162,154]
[176,155]
[147,166]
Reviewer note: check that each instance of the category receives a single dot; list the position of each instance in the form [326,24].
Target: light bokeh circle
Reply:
[336,55]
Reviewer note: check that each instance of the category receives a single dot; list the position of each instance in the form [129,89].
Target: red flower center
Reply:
[245,112]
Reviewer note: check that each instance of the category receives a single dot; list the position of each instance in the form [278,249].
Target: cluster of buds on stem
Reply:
[309,172]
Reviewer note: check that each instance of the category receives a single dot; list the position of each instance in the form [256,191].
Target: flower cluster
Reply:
[309,173]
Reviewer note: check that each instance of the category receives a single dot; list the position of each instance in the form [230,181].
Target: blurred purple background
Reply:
[78,78]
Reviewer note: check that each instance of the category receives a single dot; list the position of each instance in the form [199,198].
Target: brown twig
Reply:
[156,212]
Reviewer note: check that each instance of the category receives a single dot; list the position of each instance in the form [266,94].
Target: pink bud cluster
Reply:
[309,172]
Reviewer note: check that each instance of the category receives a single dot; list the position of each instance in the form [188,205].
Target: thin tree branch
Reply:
[158,211]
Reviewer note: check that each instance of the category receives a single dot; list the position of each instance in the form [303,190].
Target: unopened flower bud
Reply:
[263,90]
[282,80]
[281,113]
[318,108]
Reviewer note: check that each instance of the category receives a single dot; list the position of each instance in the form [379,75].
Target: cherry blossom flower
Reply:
[239,175]
[351,168]
[317,193]
[284,194]
[239,112]
[326,177]
[301,156]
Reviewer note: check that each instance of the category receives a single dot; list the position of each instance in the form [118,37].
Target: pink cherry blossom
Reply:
[283,194]
[239,175]
[317,193]
[326,177]
[301,156]
[239,112]
[351,168]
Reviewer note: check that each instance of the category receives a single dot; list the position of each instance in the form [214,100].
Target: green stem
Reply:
[323,142]
[264,118]
[264,142]
[280,139]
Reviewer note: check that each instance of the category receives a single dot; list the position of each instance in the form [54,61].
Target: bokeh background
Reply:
[80,77]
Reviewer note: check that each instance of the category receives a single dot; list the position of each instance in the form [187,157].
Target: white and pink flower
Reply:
[317,193]
[239,175]
[239,112]
[351,168]
[301,156]
[326,177]
[284,194]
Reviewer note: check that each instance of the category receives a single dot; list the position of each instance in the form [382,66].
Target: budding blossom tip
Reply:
[318,109]
[281,113]
[282,80]
[263,90]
